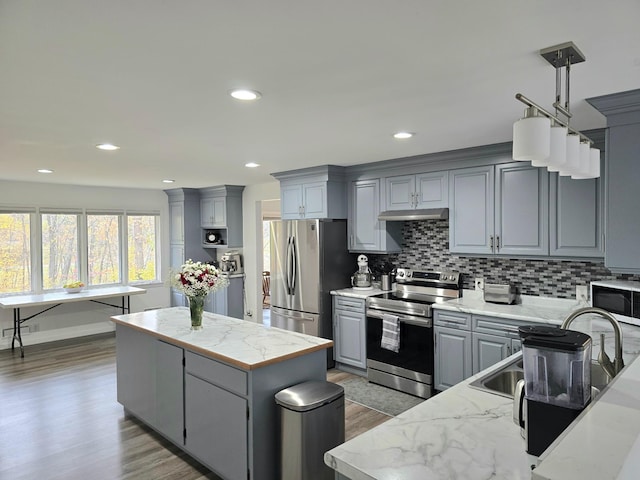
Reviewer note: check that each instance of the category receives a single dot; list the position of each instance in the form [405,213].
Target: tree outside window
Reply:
[103,244]
[60,260]
[142,260]
[15,252]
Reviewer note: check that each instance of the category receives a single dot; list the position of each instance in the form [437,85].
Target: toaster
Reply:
[500,293]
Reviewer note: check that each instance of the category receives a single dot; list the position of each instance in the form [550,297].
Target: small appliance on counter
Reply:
[500,293]
[231,262]
[361,280]
[557,383]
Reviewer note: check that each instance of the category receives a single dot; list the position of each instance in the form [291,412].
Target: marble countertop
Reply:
[467,434]
[358,293]
[247,345]
[530,308]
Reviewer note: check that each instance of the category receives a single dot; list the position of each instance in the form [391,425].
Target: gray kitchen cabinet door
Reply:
[576,216]
[400,192]
[453,361]
[135,376]
[176,259]
[471,214]
[291,202]
[169,391]
[363,216]
[213,212]
[216,428]
[176,222]
[314,200]
[350,334]
[432,190]
[516,345]
[521,217]
[489,350]
[366,232]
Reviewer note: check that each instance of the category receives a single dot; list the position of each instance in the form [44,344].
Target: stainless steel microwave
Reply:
[619,297]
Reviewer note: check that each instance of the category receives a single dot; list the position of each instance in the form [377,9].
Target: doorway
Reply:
[270,211]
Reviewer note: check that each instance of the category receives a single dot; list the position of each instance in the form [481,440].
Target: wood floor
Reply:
[59,419]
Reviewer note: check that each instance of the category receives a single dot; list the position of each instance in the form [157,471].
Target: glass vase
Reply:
[196,307]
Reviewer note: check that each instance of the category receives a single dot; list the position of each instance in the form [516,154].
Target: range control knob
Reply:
[400,273]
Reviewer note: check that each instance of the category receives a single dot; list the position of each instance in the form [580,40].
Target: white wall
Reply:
[85,318]
[252,198]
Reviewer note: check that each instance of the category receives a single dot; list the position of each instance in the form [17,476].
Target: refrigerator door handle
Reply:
[288,266]
[294,263]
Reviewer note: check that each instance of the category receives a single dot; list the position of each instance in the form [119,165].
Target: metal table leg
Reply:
[17,334]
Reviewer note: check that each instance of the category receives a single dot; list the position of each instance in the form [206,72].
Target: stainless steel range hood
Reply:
[420,214]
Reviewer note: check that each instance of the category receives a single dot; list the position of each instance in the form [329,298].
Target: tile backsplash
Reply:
[426,247]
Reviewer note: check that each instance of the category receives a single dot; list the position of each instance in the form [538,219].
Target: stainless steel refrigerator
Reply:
[309,258]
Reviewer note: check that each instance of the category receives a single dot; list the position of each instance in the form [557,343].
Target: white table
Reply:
[55,299]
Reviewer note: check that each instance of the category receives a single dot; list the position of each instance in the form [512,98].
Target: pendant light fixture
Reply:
[545,139]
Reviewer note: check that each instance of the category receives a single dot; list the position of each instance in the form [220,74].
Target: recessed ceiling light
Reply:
[45,170]
[402,135]
[167,180]
[107,146]
[252,165]
[244,94]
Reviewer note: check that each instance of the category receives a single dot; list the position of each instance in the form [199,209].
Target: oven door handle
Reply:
[417,321]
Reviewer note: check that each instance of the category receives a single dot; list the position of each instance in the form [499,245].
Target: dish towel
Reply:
[390,333]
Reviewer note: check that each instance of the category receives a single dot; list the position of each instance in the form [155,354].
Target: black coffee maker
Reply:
[557,382]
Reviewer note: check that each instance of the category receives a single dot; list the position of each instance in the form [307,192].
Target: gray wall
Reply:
[426,246]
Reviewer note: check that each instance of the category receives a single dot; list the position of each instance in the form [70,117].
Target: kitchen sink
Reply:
[503,380]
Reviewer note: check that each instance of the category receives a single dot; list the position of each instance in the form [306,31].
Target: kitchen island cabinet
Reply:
[211,391]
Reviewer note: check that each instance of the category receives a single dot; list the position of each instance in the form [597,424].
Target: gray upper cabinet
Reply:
[622,230]
[471,210]
[576,215]
[499,210]
[221,213]
[317,192]
[366,232]
[408,192]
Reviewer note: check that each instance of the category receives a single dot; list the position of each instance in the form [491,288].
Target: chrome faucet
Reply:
[612,369]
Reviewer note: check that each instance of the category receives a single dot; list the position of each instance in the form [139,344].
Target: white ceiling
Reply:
[338,77]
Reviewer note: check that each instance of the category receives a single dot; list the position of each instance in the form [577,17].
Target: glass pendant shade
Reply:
[531,137]
[558,156]
[593,170]
[570,166]
[583,168]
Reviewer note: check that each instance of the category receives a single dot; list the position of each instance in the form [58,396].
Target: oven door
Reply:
[411,368]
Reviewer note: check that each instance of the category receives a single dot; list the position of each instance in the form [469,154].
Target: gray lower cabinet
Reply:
[467,344]
[349,330]
[453,361]
[149,379]
[227,301]
[216,426]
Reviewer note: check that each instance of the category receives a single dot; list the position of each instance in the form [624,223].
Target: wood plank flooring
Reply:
[59,419]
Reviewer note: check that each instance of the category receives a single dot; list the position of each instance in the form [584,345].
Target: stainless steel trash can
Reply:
[311,423]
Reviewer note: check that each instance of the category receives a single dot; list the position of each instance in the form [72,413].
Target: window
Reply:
[141,246]
[103,249]
[42,250]
[15,252]
[60,260]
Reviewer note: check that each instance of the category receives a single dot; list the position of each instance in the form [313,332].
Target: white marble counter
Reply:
[467,434]
[358,293]
[247,345]
[530,308]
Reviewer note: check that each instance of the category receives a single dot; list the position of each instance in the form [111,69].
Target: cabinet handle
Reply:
[498,242]
[415,200]
[491,242]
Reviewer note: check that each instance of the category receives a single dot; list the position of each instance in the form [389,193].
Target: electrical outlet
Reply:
[479,282]
[582,293]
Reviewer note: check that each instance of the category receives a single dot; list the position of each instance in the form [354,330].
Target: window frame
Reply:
[36,245]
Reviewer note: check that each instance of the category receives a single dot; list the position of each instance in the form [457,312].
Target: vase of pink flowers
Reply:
[196,280]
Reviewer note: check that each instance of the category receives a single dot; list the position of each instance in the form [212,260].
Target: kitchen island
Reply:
[211,391]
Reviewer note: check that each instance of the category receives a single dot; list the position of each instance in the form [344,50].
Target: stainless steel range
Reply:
[410,369]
